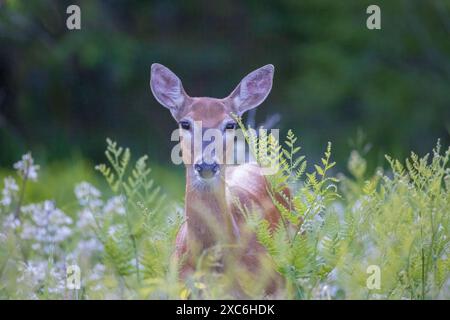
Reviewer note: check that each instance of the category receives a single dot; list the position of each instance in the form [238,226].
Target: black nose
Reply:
[206,170]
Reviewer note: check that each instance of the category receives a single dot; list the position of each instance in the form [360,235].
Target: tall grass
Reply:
[335,235]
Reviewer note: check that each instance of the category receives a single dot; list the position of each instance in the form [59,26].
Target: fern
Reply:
[403,221]
[145,225]
[330,232]
[294,245]
[119,159]
[119,253]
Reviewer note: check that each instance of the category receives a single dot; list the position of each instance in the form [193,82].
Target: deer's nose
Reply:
[206,170]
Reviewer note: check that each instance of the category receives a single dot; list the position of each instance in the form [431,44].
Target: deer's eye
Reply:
[185,125]
[231,126]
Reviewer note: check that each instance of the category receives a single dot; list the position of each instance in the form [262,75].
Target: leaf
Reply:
[319,170]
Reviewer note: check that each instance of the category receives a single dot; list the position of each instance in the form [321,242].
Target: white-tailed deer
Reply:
[212,187]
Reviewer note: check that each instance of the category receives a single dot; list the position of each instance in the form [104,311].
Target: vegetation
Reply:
[332,232]
[62,90]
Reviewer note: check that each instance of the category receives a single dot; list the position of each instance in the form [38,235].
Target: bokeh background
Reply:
[63,92]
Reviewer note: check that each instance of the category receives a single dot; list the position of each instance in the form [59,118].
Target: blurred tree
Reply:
[64,90]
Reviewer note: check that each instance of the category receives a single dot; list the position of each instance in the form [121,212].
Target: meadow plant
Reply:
[333,232]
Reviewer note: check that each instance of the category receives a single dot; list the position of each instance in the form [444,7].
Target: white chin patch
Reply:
[205,184]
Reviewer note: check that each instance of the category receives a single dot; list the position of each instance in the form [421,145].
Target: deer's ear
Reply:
[167,88]
[252,90]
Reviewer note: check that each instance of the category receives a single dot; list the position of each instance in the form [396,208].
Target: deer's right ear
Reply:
[167,88]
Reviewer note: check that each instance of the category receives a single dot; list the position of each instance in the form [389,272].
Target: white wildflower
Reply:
[47,225]
[86,219]
[88,195]
[94,279]
[85,249]
[57,281]
[357,206]
[89,246]
[97,287]
[9,191]
[26,167]
[97,272]
[34,274]
[113,230]
[11,222]
[115,205]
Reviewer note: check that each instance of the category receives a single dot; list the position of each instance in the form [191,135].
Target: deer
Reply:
[211,213]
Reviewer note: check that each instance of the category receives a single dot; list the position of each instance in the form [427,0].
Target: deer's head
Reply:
[211,118]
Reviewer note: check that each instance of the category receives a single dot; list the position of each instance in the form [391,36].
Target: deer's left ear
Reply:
[252,90]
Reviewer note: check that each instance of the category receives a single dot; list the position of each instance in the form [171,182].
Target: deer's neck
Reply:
[208,216]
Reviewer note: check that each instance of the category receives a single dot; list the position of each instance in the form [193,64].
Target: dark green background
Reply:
[63,92]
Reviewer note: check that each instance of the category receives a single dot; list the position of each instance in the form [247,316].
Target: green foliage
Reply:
[332,73]
[398,223]
[332,233]
[123,244]
[119,253]
[303,250]
[147,234]
[403,226]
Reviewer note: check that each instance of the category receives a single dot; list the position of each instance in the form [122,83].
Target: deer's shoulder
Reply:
[248,187]
[246,176]
[247,184]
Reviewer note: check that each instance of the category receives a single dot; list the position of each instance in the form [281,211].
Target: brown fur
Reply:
[243,182]
[214,217]
[212,214]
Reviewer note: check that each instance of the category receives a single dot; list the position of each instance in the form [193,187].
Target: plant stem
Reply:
[21,196]
[17,212]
